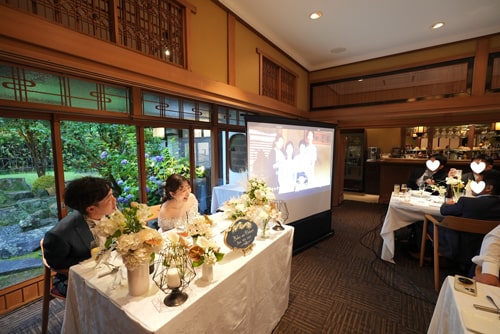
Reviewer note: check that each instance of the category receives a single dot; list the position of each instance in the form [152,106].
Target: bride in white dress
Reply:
[178,204]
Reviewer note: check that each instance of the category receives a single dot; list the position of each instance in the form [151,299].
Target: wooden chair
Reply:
[453,223]
[155,211]
[48,295]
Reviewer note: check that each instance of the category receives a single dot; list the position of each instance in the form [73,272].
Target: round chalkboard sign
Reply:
[241,235]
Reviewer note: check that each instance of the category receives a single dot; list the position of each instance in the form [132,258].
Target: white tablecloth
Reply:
[401,214]
[455,313]
[249,294]
[221,194]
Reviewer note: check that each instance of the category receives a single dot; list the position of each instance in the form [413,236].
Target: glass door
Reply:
[354,153]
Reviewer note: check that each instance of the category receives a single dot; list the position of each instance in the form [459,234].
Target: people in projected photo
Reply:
[276,157]
[312,156]
[302,165]
[287,175]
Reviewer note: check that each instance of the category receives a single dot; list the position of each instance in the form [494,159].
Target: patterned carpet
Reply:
[340,285]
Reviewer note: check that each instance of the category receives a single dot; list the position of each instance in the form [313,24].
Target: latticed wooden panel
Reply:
[153,27]
[270,79]
[91,17]
[287,87]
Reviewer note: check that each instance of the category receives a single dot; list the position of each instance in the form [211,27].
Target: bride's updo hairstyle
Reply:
[172,184]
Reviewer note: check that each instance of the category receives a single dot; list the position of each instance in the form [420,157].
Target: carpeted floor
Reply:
[340,285]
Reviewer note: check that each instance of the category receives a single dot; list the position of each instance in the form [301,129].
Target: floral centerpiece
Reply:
[128,233]
[200,226]
[205,251]
[457,185]
[256,204]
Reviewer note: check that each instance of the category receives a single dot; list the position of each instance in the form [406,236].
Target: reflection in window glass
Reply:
[202,158]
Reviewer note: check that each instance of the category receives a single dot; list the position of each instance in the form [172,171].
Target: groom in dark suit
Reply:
[69,241]
[461,246]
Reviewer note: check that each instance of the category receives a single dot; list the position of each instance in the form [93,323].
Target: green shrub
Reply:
[44,182]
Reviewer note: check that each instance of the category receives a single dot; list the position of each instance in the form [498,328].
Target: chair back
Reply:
[468,224]
[48,273]
[459,224]
[154,212]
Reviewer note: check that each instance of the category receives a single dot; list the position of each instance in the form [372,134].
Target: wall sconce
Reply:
[419,130]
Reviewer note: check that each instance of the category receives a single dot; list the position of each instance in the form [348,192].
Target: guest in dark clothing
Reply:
[427,176]
[482,163]
[461,246]
[69,241]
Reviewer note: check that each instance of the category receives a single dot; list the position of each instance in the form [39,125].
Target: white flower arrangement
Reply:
[200,226]
[128,232]
[255,205]
[205,251]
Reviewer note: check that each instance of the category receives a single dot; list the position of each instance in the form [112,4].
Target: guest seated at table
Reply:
[69,241]
[483,163]
[428,177]
[488,260]
[178,203]
[461,246]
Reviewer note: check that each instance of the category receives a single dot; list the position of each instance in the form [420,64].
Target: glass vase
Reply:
[207,272]
[138,280]
[265,230]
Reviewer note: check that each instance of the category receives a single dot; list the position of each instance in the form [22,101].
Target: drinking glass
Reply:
[396,189]
[421,188]
[404,189]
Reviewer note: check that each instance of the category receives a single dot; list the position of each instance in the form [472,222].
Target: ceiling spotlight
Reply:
[167,51]
[437,25]
[315,15]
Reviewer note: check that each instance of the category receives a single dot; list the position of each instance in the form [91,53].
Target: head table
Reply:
[404,212]
[249,294]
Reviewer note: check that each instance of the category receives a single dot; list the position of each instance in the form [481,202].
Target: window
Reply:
[154,27]
[276,81]
[173,107]
[493,75]
[23,84]
[444,80]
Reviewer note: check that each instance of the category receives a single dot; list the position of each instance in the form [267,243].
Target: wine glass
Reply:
[421,188]
[282,208]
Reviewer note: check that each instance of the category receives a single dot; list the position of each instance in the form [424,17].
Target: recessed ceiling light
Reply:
[437,25]
[315,15]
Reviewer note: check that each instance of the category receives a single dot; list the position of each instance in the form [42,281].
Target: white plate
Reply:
[481,322]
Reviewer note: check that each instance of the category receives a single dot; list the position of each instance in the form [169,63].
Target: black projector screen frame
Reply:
[302,178]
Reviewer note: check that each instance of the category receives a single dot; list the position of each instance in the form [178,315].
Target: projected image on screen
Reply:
[295,160]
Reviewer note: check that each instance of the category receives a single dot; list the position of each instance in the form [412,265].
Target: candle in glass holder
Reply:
[173,278]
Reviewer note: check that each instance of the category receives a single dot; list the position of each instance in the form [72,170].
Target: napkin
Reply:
[481,322]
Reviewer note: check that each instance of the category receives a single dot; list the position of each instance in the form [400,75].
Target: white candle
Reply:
[173,279]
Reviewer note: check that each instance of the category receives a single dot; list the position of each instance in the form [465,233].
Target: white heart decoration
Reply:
[477,167]
[477,187]
[432,165]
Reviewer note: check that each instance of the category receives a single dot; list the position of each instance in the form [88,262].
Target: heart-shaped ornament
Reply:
[477,167]
[477,187]
[432,165]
